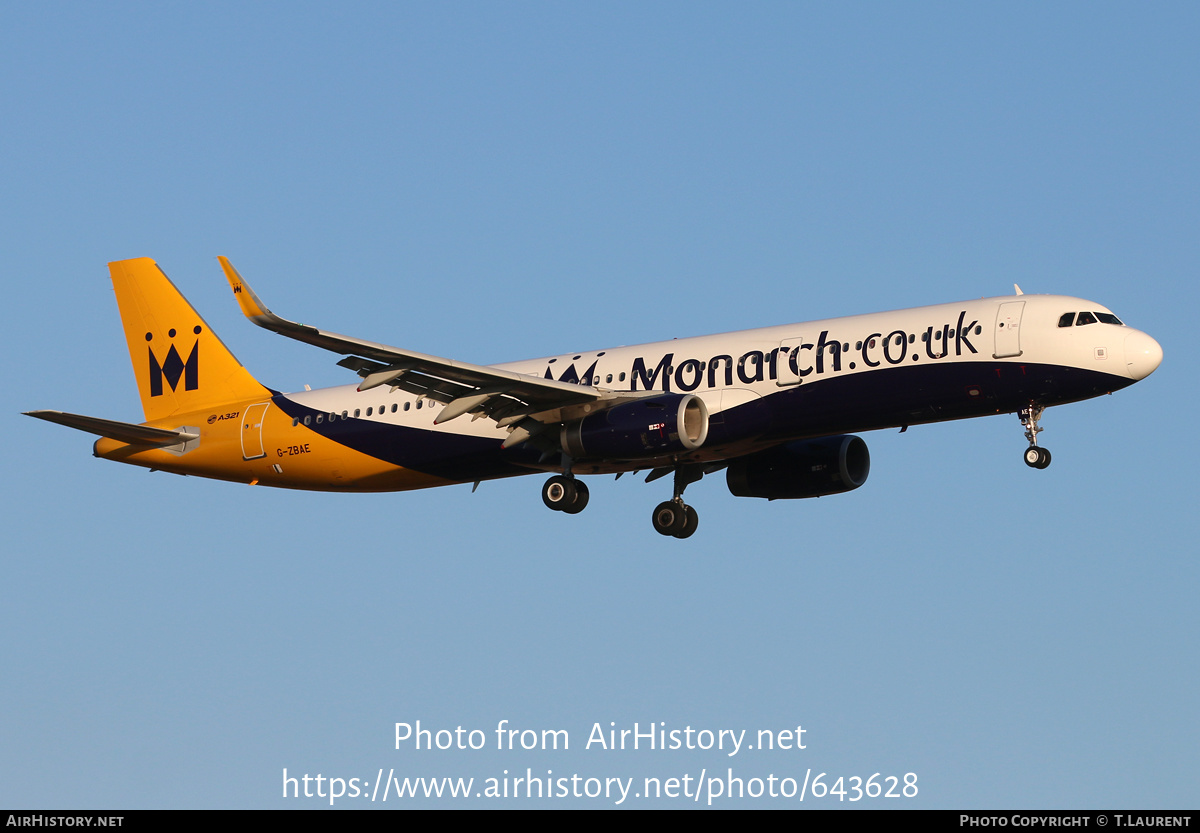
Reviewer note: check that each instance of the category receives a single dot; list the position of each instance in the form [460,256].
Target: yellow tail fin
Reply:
[180,363]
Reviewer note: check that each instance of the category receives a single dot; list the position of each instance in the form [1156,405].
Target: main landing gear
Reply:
[563,493]
[1035,456]
[674,517]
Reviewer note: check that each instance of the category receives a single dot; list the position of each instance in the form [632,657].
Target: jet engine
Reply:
[642,428]
[804,468]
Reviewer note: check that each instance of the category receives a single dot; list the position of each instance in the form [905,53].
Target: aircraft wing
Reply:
[502,395]
[125,432]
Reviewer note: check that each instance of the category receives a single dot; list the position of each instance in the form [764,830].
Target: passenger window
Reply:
[308,420]
[407,405]
[1067,319]
[393,407]
[1085,318]
[368,412]
[319,417]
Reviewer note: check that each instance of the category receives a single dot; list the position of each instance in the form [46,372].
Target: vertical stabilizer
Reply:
[180,363]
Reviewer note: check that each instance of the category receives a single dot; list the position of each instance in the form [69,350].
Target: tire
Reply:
[581,498]
[669,517]
[691,520]
[1045,461]
[559,492]
[1033,457]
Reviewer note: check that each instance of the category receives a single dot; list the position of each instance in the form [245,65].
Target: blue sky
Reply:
[494,182]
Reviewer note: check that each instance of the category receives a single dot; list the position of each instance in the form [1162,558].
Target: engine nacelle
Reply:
[643,428]
[804,468]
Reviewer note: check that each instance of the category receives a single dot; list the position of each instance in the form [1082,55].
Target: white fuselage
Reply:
[730,371]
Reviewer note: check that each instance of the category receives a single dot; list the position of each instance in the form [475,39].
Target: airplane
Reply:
[776,407]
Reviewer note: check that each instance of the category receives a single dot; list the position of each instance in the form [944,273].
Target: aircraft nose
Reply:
[1142,355]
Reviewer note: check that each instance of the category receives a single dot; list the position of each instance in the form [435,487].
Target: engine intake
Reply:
[642,428]
[804,468]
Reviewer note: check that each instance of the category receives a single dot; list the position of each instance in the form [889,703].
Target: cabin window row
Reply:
[320,418]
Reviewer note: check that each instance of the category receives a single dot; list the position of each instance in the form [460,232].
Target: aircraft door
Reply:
[1008,329]
[252,425]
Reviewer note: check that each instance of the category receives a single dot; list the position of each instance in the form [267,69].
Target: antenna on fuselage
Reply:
[1018,289]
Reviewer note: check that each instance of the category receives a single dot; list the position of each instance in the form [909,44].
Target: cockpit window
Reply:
[1085,318]
[1109,318]
[1067,319]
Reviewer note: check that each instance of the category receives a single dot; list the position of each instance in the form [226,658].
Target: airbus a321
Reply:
[775,407]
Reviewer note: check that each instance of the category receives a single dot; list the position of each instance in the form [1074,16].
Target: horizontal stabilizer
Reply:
[125,432]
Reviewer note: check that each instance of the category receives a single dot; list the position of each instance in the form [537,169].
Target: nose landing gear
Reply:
[1035,456]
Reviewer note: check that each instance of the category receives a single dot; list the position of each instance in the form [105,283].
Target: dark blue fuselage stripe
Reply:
[834,405]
